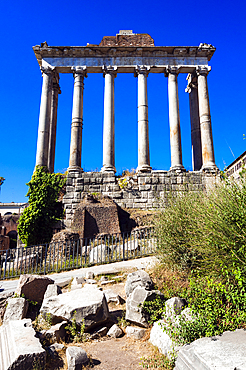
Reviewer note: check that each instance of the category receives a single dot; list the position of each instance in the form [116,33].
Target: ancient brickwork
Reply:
[143,190]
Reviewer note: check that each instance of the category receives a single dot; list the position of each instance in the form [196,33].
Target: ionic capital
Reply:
[174,70]
[144,70]
[47,70]
[112,70]
[203,70]
[80,70]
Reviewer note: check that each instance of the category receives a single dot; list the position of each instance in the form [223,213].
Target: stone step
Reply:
[19,347]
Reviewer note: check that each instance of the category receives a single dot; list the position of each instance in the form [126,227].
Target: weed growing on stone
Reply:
[77,334]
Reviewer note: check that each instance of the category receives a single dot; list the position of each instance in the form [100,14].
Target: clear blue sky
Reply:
[24,24]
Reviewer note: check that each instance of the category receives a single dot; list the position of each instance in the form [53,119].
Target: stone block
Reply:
[69,189]
[115,331]
[86,180]
[76,358]
[80,181]
[52,290]
[134,302]
[136,333]
[136,279]
[19,347]
[33,287]
[224,352]
[89,303]
[160,339]
[56,333]
[16,309]
[155,180]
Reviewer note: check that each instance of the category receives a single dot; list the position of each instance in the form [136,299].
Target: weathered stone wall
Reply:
[143,191]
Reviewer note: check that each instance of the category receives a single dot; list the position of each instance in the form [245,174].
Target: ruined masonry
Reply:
[127,53]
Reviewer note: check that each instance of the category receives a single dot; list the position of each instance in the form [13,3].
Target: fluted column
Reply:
[77,119]
[174,119]
[195,122]
[44,118]
[109,74]
[143,125]
[53,122]
[205,120]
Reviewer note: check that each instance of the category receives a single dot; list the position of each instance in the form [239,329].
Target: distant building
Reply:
[236,166]
[12,208]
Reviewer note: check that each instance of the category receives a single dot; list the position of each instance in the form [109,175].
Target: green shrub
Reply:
[204,231]
[35,223]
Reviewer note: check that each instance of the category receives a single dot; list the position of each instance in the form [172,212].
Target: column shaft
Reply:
[44,118]
[195,123]
[77,119]
[143,123]
[205,121]
[108,123]
[53,123]
[174,120]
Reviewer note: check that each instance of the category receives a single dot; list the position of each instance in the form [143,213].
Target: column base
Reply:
[210,168]
[108,169]
[75,169]
[144,168]
[177,168]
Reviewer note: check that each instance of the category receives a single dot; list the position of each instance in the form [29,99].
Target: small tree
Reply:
[35,224]
[1,181]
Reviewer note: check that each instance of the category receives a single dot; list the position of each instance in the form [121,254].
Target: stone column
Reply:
[205,120]
[77,119]
[143,126]
[44,118]
[109,73]
[195,122]
[53,121]
[174,119]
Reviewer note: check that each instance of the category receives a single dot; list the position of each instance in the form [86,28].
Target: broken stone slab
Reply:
[174,306]
[222,352]
[136,333]
[160,339]
[138,278]
[100,253]
[87,305]
[16,309]
[19,347]
[134,310]
[64,282]
[113,297]
[33,287]
[52,290]
[130,246]
[115,331]
[4,296]
[78,280]
[76,357]
[56,332]
[91,281]
[107,282]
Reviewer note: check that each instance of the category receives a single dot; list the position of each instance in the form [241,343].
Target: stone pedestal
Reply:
[174,120]
[77,120]
[143,126]
[108,125]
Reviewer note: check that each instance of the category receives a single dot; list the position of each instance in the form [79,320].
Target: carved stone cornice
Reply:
[141,70]
[112,70]
[45,51]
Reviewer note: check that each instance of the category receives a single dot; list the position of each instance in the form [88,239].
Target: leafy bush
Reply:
[204,231]
[35,224]
[216,306]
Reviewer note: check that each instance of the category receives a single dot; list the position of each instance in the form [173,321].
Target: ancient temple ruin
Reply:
[126,52]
